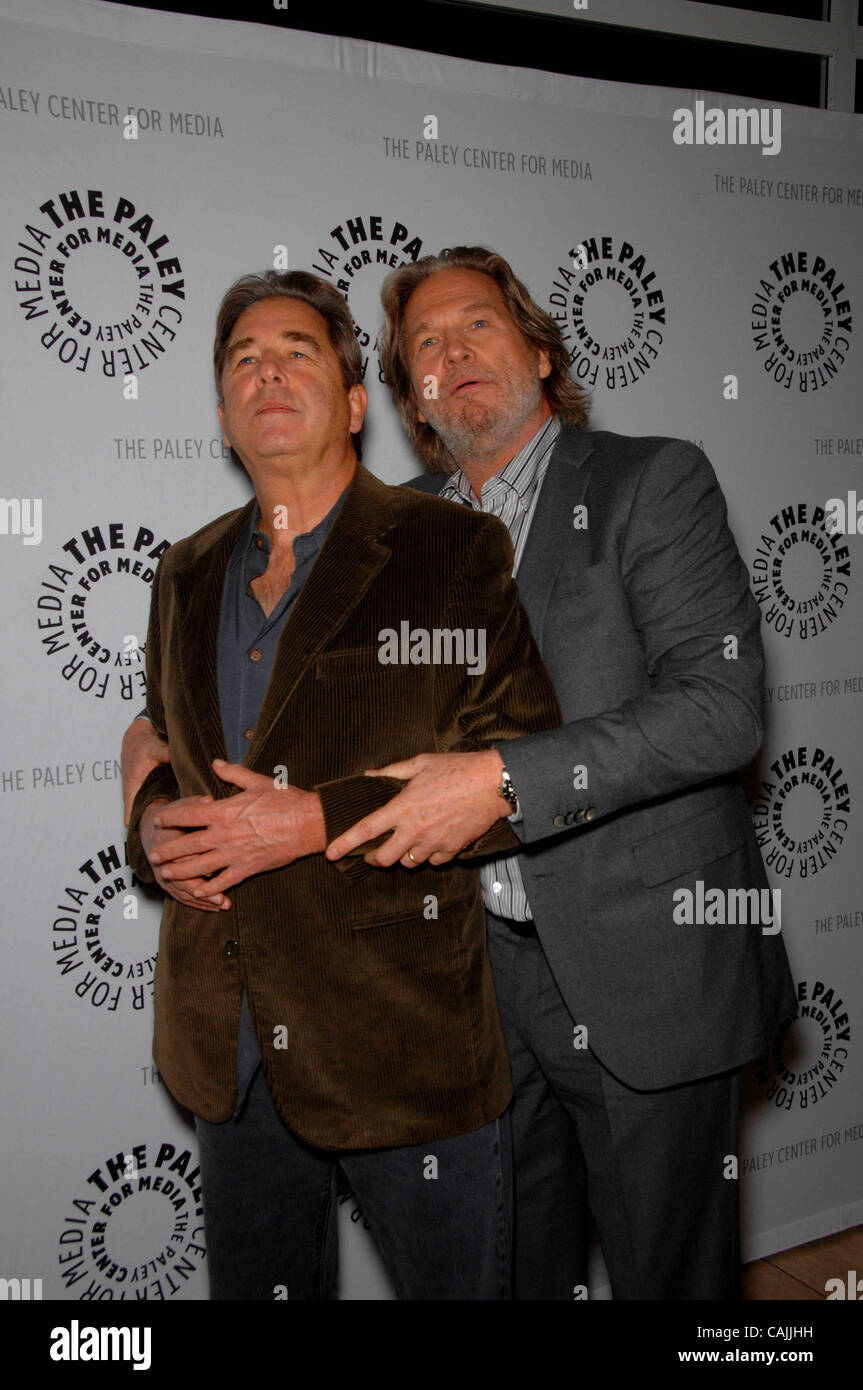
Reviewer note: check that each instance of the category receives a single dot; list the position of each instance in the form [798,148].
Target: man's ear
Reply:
[357,403]
[543,363]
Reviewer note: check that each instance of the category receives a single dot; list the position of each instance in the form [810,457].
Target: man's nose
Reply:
[456,347]
[271,366]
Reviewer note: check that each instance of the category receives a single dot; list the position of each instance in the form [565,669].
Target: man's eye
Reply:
[295,352]
[482,321]
[425,342]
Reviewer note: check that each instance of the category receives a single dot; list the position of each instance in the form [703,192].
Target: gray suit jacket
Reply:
[631,615]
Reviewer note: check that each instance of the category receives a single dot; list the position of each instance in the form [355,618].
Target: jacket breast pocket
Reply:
[591,602]
[382,712]
[582,586]
[350,663]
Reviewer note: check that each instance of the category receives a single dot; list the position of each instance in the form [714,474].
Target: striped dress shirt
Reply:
[512,495]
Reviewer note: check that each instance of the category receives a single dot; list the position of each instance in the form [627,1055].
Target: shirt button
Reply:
[497,887]
[255,655]
[232,948]
[248,735]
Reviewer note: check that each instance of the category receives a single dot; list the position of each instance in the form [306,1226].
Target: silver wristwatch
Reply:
[507,790]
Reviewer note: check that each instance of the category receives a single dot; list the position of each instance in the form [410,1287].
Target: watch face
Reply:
[507,790]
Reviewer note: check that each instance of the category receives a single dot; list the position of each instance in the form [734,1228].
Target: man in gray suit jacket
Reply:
[626,1020]
[626,1026]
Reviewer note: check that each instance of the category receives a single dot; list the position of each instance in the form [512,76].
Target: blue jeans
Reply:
[270,1208]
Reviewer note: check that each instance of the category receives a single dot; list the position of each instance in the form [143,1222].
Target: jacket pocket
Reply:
[351,662]
[690,844]
[415,915]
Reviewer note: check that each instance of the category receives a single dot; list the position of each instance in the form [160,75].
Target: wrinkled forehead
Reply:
[452,292]
[280,313]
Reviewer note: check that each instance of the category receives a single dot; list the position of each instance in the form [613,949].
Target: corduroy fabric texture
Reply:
[393,1034]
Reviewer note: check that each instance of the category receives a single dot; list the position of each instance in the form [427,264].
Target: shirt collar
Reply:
[252,534]
[521,474]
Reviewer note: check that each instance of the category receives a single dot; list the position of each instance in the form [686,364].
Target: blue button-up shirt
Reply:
[248,640]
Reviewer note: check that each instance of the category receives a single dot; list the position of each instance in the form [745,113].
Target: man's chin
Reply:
[473,426]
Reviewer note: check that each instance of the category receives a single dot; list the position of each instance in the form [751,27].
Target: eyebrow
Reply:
[289,335]
[466,309]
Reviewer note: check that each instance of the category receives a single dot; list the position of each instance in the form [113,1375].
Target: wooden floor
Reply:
[802,1273]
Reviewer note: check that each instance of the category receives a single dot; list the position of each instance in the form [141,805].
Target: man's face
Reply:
[282,385]
[458,330]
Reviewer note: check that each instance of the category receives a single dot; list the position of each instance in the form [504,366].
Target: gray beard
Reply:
[482,431]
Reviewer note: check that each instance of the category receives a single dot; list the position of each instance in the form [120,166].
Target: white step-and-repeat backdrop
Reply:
[708,288]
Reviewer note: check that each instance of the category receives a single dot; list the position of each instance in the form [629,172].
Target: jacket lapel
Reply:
[553,539]
[349,560]
[351,557]
[198,587]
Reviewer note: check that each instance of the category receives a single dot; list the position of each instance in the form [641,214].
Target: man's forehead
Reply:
[471,290]
[282,312]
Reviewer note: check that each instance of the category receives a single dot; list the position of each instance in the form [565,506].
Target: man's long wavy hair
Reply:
[567,400]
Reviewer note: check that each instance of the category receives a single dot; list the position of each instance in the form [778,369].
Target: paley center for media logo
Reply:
[98,278]
[809,1054]
[360,252]
[79,617]
[138,1233]
[611,311]
[104,933]
[801,571]
[801,320]
[802,812]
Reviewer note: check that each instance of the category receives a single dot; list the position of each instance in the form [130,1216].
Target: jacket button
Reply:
[571,817]
[590,813]
[248,735]
[255,655]
[559,822]
[232,948]
[579,817]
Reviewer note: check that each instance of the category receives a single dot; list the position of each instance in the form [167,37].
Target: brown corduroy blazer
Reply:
[380,977]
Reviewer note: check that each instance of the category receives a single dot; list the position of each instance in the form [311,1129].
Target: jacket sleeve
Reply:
[508,695]
[688,593]
[161,781]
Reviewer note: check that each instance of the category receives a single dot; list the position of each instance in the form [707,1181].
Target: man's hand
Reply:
[451,800]
[153,839]
[262,827]
[142,750]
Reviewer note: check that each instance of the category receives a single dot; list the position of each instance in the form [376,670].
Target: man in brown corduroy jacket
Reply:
[311,1013]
